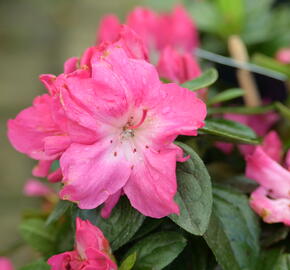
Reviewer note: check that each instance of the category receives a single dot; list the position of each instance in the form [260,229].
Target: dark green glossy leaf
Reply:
[230,130]
[38,235]
[58,211]
[269,259]
[233,231]
[226,96]
[205,80]
[194,195]
[157,250]
[123,223]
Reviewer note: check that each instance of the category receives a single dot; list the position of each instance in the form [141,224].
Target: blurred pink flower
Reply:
[283,55]
[272,199]
[179,67]
[35,188]
[92,251]
[158,31]
[175,29]
[5,264]
[135,119]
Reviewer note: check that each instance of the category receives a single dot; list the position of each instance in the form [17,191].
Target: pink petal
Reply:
[31,126]
[96,104]
[268,173]
[55,176]
[133,81]
[60,261]
[109,29]
[42,168]
[70,65]
[178,30]
[271,210]
[92,173]
[88,235]
[35,188]
[99,261]
[177,67]
[144,22]
[5,264]
[272,146]
[283,55]
[132,44]
[152,185]
[55,145]
[179,112]
[110,203]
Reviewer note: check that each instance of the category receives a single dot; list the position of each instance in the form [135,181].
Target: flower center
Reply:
[129,129]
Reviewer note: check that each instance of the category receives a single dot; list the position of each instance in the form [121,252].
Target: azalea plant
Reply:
[144,160]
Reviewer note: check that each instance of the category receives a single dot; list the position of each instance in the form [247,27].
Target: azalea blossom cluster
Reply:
[111,121]
[106,128]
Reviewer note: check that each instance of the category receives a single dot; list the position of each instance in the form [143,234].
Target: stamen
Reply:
[141,121]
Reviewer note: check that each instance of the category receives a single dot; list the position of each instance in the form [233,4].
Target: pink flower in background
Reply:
[272,199]
[109,29]
[135,119]
[175,29]
[92,251]
[260,123]
[5,264]
[35,188]
[179,67]
[283,55]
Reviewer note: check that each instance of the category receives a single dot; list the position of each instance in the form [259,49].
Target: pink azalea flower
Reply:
[272,199]
[158,31]
[5,264]
[35,188]
[179,67]
[283,55]
[135,119]
[174,29]
[92,251]
[260,123]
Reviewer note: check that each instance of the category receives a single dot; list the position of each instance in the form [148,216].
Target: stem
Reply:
[238,51]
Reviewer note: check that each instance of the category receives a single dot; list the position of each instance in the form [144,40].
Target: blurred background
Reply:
[37,36]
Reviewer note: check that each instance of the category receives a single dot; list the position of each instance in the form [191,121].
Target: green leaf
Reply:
[205,80]
[269,259]
[226,96]
[120,227]
[233,231]
[233,13]
[285,111]
[194,195]
[270,63]
[38,265]
[241,110]
[283,263]
[149,225]
[58,211]
[157,250]
[230,130]
[129,262]
[38,235]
